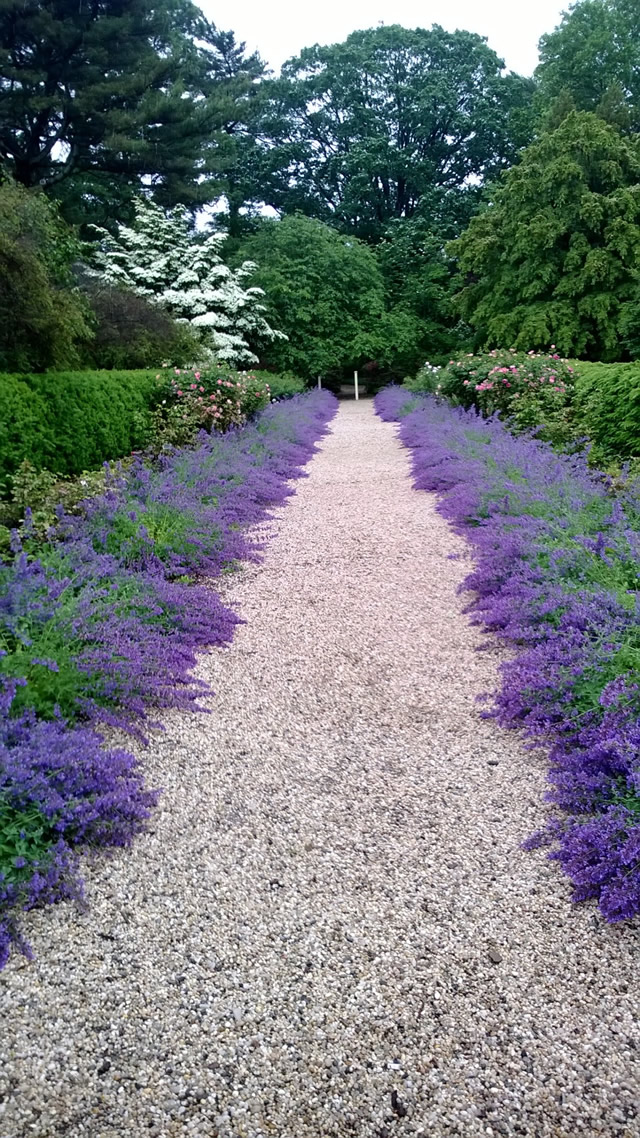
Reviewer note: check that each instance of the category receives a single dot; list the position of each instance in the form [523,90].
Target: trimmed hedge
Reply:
[72,421]
[607,406]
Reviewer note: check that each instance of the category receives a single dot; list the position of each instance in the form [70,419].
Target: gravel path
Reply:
[331,930]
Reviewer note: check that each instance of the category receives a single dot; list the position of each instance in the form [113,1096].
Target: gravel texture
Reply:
[331,929]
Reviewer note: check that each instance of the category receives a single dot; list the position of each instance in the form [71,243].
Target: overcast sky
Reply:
[279,29]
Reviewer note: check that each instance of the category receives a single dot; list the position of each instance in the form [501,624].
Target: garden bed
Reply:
[101,623]
[556,576]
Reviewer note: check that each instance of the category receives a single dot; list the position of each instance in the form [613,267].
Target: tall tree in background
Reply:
[325,290]
[592,60]
[361,132]
[555,255]
[100,96]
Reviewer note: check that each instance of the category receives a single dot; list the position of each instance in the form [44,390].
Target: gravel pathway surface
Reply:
[332,930]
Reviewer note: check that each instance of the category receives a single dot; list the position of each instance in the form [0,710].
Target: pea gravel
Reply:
[331,929]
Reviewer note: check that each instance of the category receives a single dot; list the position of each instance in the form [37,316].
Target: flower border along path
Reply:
[102,625]
[556,576]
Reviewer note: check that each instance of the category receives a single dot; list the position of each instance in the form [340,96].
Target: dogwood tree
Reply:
[160,258]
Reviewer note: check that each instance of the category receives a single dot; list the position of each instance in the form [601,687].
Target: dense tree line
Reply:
[425,199]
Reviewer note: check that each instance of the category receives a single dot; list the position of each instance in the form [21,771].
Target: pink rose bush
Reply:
[530,390]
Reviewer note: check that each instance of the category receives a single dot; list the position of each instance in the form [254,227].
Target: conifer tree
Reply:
[554,256]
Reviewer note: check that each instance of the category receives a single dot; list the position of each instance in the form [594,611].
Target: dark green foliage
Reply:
[42,317]
[554,258]
[95,97]
[417,277]
[69,422]
[361,132]
[326,292]
[593,59]
[130,332]
[608,408]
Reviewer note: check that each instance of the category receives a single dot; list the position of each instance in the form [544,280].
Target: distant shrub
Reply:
[131,332]
[212,398]
[530,390]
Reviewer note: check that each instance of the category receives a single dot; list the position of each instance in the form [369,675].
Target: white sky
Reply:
[279,29]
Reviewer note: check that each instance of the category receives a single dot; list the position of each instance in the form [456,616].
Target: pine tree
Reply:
[98,97]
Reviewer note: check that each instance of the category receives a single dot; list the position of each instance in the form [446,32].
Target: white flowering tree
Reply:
[160,258]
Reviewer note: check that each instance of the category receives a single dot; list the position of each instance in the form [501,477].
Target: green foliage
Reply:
[26,837]
[567,403]
[69,422]
[282,385]
[130,332]
[417,277]
[360,132]
[608,409]
[189,400]
[531,391]
[42,318]
[326,292]
[554,256]
[125,89]
[41,493]
[593,59]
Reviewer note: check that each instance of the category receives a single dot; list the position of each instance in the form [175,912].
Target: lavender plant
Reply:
[557,575]
[101,623]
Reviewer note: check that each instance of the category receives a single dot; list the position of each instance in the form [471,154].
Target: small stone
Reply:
[495,956]
[397,1105]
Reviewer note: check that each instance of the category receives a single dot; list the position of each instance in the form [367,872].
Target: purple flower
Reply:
[557,570]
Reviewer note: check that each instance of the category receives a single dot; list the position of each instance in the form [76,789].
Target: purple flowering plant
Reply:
[557,576]
[100,624]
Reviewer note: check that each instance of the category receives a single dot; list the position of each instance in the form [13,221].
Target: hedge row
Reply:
[607,406]
[72,421]
[68,422]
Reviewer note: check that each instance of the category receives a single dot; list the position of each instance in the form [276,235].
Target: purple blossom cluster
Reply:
[557,571]
[101,625]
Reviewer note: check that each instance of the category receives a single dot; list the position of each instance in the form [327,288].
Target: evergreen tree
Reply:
[555,255]
[96,97]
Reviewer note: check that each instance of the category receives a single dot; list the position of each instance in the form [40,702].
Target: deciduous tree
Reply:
[359,132]
[160,257]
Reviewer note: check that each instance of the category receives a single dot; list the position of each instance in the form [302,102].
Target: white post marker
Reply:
[355,381]
[319,382]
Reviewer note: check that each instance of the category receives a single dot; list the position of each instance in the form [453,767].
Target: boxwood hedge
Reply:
[72,421]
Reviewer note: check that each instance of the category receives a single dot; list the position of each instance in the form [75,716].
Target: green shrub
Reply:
[42,316]
[283,384]
[130,332]
[608,409]
[68,422]
[530,390]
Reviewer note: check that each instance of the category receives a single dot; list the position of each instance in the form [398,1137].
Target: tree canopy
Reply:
[593,57]
[108,94]
[363,131]
[325,290]
[554,256]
